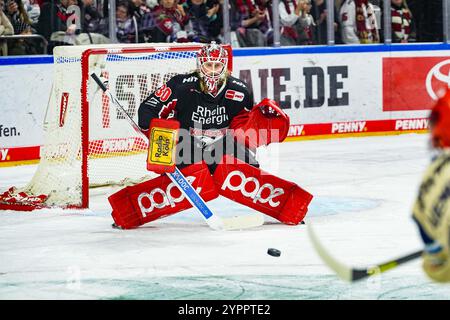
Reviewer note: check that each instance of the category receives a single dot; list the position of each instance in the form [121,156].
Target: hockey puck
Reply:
[115,226]
[274,252]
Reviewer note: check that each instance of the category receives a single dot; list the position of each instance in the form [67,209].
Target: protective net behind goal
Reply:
[87,141]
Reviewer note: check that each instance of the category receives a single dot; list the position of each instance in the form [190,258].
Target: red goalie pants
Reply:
[233,178]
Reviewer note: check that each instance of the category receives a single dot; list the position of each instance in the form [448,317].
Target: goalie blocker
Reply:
[234,179]
[163,137]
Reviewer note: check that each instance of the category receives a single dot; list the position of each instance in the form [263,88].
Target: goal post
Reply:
[87,142]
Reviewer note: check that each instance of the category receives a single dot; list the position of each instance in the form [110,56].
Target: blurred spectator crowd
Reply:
[302,22]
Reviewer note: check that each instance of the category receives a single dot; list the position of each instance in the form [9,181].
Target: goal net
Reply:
[87,142]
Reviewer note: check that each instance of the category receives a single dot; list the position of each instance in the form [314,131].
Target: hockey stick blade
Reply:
[214,221]
[351,274]
[243,222]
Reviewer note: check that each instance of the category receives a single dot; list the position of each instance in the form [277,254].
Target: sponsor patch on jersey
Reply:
[208,136]
[190,79]
[212,133]
[234,95]
[239,83]
[212,115]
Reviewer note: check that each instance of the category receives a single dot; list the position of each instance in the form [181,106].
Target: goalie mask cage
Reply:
[87,141]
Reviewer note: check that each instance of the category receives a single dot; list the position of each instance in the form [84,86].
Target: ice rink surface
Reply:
[363,191]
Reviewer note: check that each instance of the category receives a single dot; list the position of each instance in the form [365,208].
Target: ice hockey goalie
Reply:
[220,128]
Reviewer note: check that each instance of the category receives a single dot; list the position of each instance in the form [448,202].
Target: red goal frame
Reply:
[85,77]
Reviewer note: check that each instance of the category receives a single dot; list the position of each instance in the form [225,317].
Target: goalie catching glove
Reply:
[266,123]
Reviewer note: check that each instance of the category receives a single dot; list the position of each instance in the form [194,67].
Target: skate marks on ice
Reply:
[282,287]
[232,287]
[331,205]
[320,206]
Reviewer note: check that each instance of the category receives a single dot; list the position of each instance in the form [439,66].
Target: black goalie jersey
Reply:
[205,117]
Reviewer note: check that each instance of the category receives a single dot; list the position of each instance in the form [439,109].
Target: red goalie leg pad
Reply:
[160,197]
[278,198]
[21,201]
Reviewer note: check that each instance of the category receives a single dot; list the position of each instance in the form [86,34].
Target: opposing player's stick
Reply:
[352,274]
[214,221]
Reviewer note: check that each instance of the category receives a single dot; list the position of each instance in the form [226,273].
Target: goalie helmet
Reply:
[212,65]
[440,122]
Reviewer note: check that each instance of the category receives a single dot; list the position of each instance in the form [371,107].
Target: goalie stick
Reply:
[352,274]
[214,221]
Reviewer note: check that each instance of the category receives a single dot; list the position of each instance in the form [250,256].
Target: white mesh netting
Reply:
[117,154]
